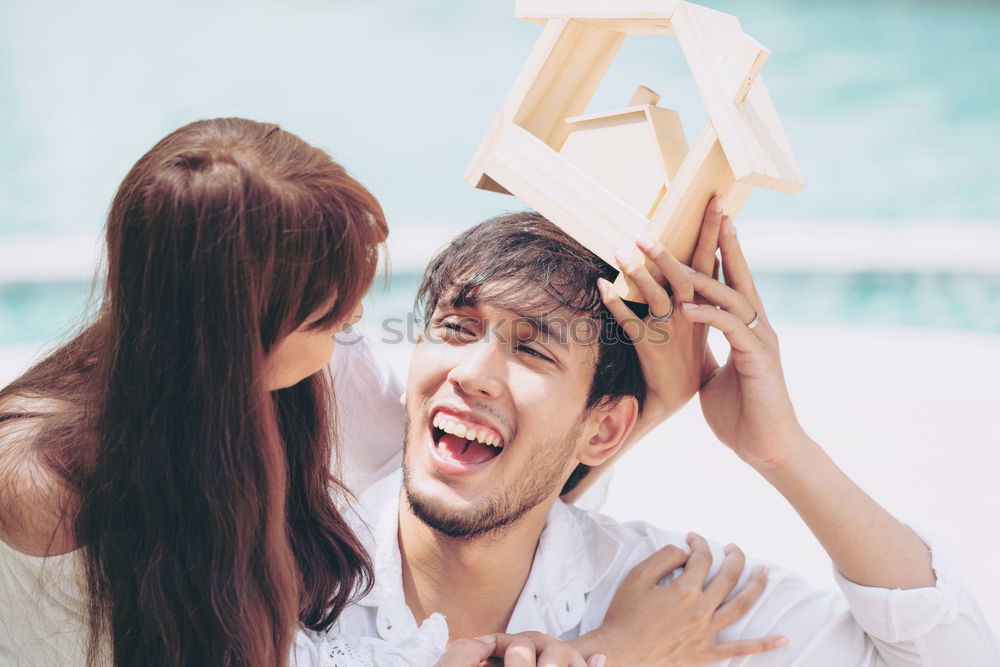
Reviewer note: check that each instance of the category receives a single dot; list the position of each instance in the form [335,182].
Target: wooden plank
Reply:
[542,10]
[751,134]
[761,116]
[644,95]
[582,207]
[566,81]
[621,152]
[515,97]
[558,80]
[601,115]
[676,222]
[475,174]
[668,133]
[750,59]
[633,26]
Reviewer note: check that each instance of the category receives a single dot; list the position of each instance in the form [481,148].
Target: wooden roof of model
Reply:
[741,146]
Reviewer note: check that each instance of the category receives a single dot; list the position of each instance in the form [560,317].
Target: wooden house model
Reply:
[605,178]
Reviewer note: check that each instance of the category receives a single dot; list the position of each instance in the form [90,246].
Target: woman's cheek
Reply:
[324,351]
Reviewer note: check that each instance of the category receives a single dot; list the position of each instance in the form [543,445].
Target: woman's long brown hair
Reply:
[205,503]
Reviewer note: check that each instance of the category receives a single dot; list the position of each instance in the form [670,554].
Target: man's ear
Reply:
[609,426]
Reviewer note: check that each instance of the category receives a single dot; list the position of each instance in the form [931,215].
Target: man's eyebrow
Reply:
[546,328]
[541,324]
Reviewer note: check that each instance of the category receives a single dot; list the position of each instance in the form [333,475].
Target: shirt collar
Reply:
[574,555]
[393,618]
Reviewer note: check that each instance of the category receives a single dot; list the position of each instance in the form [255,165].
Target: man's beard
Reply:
[542,474]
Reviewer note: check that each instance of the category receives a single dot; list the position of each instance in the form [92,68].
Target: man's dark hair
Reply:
[523,263]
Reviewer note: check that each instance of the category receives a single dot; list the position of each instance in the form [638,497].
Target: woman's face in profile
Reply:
[304,351]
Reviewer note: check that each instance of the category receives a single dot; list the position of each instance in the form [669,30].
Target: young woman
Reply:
[166,495]
[183,437]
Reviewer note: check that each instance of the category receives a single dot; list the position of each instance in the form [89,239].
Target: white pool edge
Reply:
[845,246]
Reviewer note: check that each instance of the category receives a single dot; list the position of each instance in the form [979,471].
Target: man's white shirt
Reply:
[582,558]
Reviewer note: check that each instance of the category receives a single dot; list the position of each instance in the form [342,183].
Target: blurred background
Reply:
[883,275]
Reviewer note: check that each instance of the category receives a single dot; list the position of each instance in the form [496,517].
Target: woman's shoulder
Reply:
[35,501]
[369,413]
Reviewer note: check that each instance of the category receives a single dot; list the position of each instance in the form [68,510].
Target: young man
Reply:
[523,380]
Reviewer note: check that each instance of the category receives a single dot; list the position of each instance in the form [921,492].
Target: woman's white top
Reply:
[43,609]
[43,601]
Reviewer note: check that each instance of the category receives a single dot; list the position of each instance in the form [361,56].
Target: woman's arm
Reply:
[746,403]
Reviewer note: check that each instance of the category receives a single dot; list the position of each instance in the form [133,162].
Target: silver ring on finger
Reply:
[663,318]
[755,321]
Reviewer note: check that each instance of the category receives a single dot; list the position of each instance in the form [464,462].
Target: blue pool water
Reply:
[32,313]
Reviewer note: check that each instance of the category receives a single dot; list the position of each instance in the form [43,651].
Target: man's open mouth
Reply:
[464,441]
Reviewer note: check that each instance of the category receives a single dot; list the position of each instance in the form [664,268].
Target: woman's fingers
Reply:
[669,267]
[727,577]
[521,649]
[723,296]
[657,566]
[734,649]
[735,268]
[741,603]
[708,238]
[468,652]
[516,651]
[739,336]
[653,293]
[673,270]
[629,323]
[699,562]
[560,655]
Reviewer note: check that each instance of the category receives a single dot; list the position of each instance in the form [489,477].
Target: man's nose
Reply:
[477,372]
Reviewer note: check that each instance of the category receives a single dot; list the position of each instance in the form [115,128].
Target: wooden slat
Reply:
[564,84]
[583,208]
[668,133]
[601,115]
[751,134]
[627,26]
[558,80]
[644,95]
[621,152]
[762,120]
[749,62]
[676,222]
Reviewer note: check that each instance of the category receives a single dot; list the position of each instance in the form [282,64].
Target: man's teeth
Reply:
[462,431]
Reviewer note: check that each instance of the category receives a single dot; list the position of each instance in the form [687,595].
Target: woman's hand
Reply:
[672,353]
[745,401]
[675,625]
[525,649]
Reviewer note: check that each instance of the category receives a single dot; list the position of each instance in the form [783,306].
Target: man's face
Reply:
[490,372]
